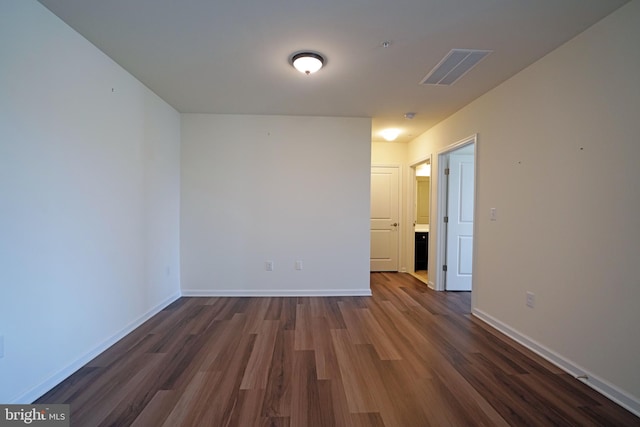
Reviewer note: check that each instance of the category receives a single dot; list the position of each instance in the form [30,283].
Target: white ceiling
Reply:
[231,57]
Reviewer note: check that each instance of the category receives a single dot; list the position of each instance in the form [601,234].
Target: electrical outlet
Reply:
[493,214]
[1,346]
[268,265]
[531,299]
[299,265]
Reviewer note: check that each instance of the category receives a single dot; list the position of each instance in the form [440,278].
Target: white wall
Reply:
[557,156]
[389,153]
[89,205]
[258,188]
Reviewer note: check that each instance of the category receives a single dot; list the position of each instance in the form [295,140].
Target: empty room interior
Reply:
[321,213]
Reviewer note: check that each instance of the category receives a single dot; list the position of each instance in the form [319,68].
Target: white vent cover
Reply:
[453,66]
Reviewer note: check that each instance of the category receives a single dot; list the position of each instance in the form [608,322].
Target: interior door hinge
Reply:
[444,267]
[446,171]
[446,219]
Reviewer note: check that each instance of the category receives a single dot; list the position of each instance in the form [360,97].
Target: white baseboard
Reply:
[603,387]
[64,373]
[276,293]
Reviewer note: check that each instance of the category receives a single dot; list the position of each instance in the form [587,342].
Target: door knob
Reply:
[395,224]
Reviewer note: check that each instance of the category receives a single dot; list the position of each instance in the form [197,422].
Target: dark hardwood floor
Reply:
[407,356]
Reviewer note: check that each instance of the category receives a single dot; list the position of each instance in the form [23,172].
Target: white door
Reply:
[460,222]
[384,218]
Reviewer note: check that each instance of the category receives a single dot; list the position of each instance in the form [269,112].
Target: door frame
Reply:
[442,194]
[399,232]
[411,203]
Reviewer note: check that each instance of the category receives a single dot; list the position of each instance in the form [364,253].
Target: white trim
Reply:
[276,293]
[603,387]
[386,165]
[66,372]
[458,144]
[410,231]
[442,154]
[438,273]
[401,216]
[411,217]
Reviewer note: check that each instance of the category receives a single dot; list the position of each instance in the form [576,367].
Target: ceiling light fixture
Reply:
[390,134]
[307,62]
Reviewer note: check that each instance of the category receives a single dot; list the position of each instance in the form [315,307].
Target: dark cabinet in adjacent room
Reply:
[422,251]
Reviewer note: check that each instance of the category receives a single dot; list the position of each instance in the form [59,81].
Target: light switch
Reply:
[493,214]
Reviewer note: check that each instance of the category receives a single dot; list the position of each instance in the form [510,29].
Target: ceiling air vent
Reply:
[453,66]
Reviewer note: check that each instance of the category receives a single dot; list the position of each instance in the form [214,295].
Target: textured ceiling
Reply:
[231,57]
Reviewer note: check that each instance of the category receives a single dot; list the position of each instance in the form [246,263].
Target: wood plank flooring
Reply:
[407,356]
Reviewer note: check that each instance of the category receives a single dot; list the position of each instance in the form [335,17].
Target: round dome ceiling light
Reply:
[307,62]
[390,134]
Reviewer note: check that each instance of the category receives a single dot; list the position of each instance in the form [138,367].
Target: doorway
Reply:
[385,218]
[456,201]
[421,219]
